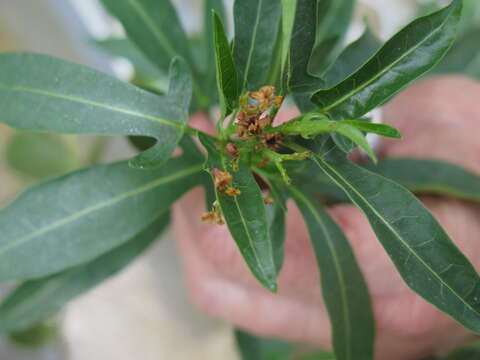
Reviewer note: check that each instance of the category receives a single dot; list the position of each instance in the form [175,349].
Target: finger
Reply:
[439,118]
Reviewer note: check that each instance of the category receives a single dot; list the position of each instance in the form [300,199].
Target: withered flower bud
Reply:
[223,179]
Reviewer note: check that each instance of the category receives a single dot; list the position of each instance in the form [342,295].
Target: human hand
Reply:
[439,118]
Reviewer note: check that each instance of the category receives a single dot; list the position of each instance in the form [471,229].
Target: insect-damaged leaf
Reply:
[45,94]
[35,300]
[245,216]
[343,287]
[256,25]
[77,217]
[405,57]
[421,250]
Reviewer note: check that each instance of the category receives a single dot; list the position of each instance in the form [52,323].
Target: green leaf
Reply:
[45,94]
[464,354]
[353,57]
[343,287]
[256,25]
[289,9]
[421,250]
[405,57]
[276,227]
[318,355]
[463,57]
[312,125]
[39,156]
[36,300]
[431,177]
[58,224]
[209,29]
[154,27]
[380,129]
[226,72]
[245,216]
[145,71]
[255,348]
[301,47]
[333,21]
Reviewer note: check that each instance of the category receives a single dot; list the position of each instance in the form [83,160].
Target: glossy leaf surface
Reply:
[344,290]
[226,72]
[75,218]
[406,56]
[256,25]
[421,250]
[35,300]
[45,94]
[431,177]
[253,347]
[245,216]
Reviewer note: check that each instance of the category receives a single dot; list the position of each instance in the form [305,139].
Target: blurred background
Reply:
[144,312]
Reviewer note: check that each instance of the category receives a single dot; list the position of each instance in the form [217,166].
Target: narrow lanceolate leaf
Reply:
[226,72]
[301,47]
[289,9]
[245,216]
[431,177]
[36,300]
[219,8]
[75,218]
[313,125]
[405,57]
[379,129]
[343,287]
[154,27]
[333,21]
[256,25]
[252,347]
[45,94]
[421,250]
[352,58]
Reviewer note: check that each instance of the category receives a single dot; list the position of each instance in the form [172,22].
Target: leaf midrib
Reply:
[91,103]
[88,210]
[383,72]
[405,244]
[338,268]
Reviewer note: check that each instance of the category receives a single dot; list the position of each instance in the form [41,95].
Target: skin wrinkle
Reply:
[433,115]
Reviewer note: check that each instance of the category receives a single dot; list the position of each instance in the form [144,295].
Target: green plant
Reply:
[64,236]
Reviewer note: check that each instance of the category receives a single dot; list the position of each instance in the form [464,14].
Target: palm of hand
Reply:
[439,118]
